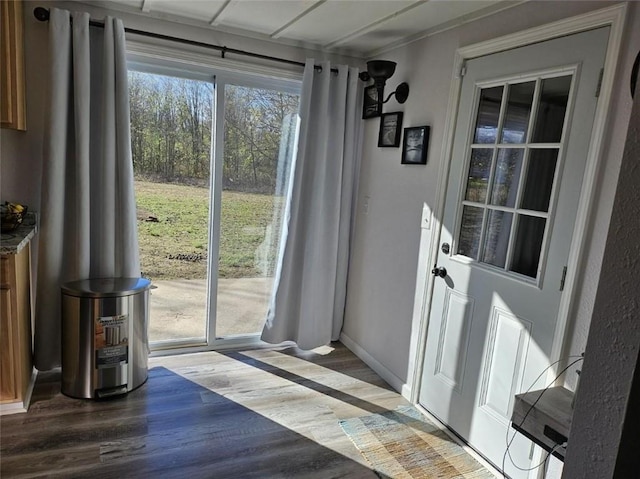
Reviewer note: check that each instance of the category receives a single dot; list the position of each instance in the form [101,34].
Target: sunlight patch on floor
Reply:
[303,397]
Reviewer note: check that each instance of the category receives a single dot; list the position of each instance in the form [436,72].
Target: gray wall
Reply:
[385,284]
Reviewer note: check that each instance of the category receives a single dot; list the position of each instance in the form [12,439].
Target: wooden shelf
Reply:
[546,419]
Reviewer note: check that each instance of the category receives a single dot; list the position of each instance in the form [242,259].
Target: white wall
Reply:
[385,284]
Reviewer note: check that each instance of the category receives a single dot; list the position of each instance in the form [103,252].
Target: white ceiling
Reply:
[358,27]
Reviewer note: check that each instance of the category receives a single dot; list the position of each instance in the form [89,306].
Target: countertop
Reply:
[13,242]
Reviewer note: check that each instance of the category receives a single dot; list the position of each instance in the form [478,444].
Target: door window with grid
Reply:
[513,161]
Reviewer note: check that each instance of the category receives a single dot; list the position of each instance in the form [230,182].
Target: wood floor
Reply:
[251,414]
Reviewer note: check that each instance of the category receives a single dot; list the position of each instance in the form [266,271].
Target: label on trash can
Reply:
[110,340]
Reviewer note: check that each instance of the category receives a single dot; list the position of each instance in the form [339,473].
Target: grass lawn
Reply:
[176,245]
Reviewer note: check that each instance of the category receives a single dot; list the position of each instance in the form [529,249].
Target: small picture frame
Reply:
[390,130]
[415,145]
[370,106]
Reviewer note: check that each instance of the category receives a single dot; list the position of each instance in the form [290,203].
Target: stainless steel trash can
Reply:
[104,336]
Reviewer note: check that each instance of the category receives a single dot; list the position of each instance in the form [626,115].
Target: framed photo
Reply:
[390,129]
[370,106]
[415,144]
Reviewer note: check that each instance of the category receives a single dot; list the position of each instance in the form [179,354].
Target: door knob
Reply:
[442,272]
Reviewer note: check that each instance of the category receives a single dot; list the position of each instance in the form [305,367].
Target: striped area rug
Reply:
[402,444]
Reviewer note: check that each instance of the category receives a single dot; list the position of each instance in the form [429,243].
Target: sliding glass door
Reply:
[171,131]
[212,156]
[254,153]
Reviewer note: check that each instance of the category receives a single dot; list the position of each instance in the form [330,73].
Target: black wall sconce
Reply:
[380,71]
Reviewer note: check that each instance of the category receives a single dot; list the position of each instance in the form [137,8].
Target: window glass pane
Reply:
[506,177]
[171,120]
[528,243]
[479,170]
[488,115]
[259,131]
[497,238]
[551,110]
[470,230]
[539,180]
[518,110]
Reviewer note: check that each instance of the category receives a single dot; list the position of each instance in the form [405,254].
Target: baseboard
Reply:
[394,381]
[12,408]
[406,392]
[20,406]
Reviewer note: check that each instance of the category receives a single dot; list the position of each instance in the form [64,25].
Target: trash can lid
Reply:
[106,287]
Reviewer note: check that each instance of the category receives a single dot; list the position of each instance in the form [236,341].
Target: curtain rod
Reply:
[42,14]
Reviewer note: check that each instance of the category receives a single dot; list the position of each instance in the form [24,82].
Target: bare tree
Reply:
[171,124]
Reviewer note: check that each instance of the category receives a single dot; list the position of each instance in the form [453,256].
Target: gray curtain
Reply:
[88,221]
[311,278]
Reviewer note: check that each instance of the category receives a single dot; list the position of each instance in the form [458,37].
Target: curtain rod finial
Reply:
[41,14]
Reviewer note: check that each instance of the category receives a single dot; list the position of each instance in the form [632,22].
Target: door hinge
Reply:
[564,277]
[599,83]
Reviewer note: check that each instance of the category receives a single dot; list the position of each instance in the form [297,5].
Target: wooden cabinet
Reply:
[16,365]
[12,83]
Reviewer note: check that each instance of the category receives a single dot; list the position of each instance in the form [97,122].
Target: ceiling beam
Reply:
[146,6]
[279,31]
[217,17]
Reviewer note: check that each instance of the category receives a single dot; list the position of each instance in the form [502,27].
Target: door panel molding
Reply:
[511,333]
[454,339]
[614,17]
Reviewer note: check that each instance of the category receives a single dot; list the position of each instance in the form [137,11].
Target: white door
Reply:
[520,146]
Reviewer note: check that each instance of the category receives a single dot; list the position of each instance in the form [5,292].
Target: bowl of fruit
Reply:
[12,215]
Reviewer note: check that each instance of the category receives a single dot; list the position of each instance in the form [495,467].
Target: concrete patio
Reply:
[177,308]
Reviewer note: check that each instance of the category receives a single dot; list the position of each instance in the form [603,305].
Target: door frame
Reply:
[614,17]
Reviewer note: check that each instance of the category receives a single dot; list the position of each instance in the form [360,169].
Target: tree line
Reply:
[171,128]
